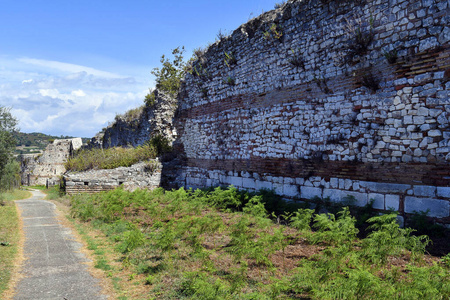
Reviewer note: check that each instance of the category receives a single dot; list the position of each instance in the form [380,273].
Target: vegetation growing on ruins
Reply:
[391,56]
[296,59]
[131,115]
[273,33]
[168,77]
[230,81]
[370,81]
[230,59]
[115,157]
[110,158]
[225,244]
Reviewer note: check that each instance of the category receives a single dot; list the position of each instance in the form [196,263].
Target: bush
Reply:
[168,77]
[161,144]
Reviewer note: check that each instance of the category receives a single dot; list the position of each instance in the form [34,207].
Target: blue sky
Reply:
[68,67]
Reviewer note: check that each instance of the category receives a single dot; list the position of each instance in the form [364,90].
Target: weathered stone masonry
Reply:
[156,119]
[46,169]
[306,114]
[140,175]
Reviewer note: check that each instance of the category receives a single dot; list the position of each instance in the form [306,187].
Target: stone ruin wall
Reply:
[315,129]
[142,175]
[46,168]
[130,130]
[135,131]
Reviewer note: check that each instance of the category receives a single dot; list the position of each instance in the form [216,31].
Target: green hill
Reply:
[35,142]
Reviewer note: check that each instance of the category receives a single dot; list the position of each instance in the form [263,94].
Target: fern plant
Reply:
[332,230]
[387,238]
[301,219]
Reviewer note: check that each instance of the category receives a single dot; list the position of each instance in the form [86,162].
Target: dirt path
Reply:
[54,267]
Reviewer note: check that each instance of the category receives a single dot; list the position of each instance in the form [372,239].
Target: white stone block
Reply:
[334,182]
[263,185]
[437,208]
[392,202]
[443,192]
[381,187]
[307,192]
[290,190]
[348,183]
[419,120]
[378,200]
[333,194]
[407,120]
[248,183]
[422,111]
[424,191]
[361,198]
[434,133]
[278,187]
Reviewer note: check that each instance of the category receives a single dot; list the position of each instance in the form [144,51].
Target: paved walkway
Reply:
[53,267]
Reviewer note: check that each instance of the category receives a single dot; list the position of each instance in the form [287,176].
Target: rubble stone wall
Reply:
[127,130]
[142,175]
[294,101]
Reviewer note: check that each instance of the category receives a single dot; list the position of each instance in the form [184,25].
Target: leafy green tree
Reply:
[7,143]
[169,76]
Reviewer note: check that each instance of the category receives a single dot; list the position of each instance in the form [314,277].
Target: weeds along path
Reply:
[54,267]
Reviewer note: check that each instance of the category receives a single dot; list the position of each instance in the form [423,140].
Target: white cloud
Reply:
[65,99]
[78,93]
[68,68]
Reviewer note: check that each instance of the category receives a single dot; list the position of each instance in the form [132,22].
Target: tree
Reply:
[7,143]
[169,76]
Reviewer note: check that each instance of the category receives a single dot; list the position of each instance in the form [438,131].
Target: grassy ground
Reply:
[223,244]
[9,234]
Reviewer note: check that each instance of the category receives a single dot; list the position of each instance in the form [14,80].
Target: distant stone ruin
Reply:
[47,168]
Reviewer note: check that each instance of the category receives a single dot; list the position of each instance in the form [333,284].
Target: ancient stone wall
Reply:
[142,175]
[129,130]
[328,99]
[46,168]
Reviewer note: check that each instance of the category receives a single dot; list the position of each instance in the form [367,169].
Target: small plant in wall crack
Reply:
[202,90]
[370,81]
[274,33]
[201,72]
[230,59]
[296,59]
[322,84]
[361,36]
[391,56]
[230,81]
[279,4]
[222,34]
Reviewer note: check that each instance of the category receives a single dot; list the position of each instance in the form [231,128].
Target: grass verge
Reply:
[9,235]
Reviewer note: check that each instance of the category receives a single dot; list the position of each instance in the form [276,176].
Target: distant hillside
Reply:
[35,142]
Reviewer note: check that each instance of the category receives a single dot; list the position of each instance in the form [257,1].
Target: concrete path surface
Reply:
[54,268]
